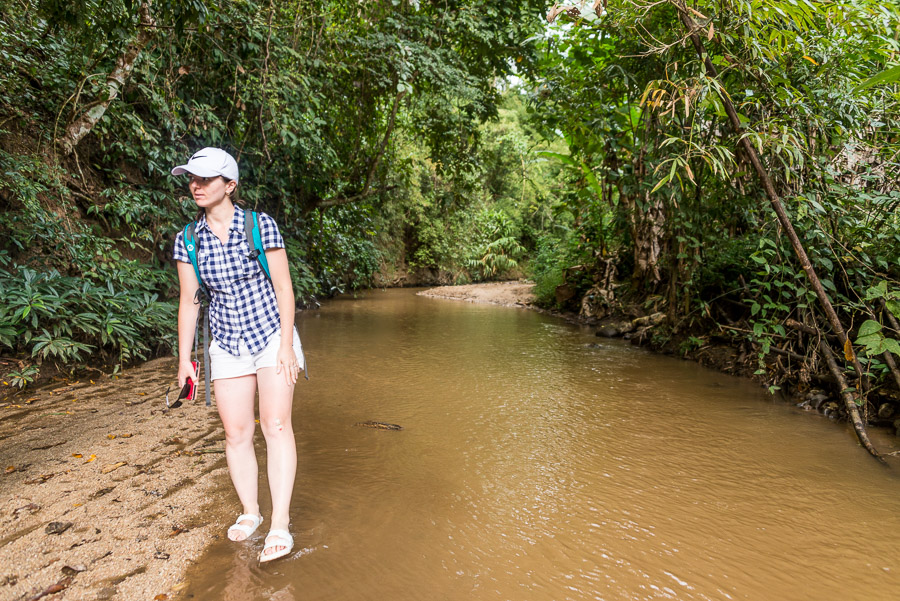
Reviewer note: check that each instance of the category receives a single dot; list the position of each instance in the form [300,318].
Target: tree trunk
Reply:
[648,225]
[647,218]
[82,126]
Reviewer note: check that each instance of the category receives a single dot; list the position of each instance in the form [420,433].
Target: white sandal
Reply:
[281,538]
[244,528]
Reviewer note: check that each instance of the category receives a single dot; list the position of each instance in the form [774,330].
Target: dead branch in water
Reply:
[849,400]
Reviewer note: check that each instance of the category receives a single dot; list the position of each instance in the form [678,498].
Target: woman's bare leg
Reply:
[275,401]
[234,400]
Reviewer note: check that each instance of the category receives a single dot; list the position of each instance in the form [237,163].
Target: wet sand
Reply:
[508,294]
[104,493]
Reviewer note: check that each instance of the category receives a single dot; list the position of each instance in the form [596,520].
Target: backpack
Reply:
[254,240]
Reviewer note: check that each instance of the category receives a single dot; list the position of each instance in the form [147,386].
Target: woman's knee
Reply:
[239,433]
[274,426]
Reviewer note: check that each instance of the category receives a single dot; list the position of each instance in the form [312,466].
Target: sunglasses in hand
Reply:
[188,391]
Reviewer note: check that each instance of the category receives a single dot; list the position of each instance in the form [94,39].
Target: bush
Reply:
[50,316]
[547,269]
[497,249]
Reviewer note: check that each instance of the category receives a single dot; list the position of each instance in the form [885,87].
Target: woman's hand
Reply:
[287,362]
[186,370]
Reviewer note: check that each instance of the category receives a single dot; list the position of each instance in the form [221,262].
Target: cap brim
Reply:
[182,169]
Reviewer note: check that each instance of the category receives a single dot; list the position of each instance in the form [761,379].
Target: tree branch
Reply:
[115,81]
[849,400]
[334,202]
[859,426]
[384,141]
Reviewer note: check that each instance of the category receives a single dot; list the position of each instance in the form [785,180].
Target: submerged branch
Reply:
[849,401]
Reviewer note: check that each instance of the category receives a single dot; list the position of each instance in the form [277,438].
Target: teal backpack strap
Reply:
[190,244]
[254,239]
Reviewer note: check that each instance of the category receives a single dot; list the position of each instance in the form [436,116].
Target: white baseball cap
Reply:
[210,162]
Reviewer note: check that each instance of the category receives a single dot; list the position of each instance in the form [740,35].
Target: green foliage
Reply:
[889,296]
[319,101]
[886,76]
[438,224]
[872,337]
[56,317]
[647,141]
[690,344]
[548,268]
[342,249]
[498,251]
[23,377]
[382,138]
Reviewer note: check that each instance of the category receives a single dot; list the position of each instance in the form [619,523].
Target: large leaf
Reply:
[868,328]
[886,76]
[894,307]
[586,171]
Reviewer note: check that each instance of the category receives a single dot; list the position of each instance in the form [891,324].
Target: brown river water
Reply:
[540,463]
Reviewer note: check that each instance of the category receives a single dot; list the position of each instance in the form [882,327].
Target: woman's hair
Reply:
[234,197]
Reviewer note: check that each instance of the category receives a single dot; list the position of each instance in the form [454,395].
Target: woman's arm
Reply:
[284,296]
[187,320]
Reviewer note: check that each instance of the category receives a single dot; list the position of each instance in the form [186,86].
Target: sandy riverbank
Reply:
[105,494]
[508,294]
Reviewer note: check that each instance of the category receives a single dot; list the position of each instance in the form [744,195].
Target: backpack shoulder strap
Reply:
[192,246]
[254,239]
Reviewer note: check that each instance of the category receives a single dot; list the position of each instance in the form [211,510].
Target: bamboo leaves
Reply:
[885,77]
[765,92]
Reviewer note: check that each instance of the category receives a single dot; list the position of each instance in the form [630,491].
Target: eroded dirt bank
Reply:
[104,493]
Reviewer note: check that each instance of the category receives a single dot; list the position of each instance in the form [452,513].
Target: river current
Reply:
[540,463]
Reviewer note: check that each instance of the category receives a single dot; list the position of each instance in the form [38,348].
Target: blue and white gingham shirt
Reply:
[242,300]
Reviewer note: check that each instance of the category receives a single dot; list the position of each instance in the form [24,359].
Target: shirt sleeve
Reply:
[179,252]
[268,231]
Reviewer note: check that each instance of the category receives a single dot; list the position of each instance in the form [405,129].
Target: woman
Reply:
[254,341]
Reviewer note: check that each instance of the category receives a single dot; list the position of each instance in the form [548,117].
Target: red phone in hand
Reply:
[188,391]
[191,392]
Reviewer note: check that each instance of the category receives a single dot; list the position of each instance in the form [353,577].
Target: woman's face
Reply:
[209,191]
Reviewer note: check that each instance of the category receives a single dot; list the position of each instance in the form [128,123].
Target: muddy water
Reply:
[533,466]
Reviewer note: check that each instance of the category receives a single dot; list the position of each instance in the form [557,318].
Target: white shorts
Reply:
[225,365]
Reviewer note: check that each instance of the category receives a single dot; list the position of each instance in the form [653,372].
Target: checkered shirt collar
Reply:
[237,221]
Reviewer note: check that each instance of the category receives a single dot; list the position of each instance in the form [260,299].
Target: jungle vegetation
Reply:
[731,165]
